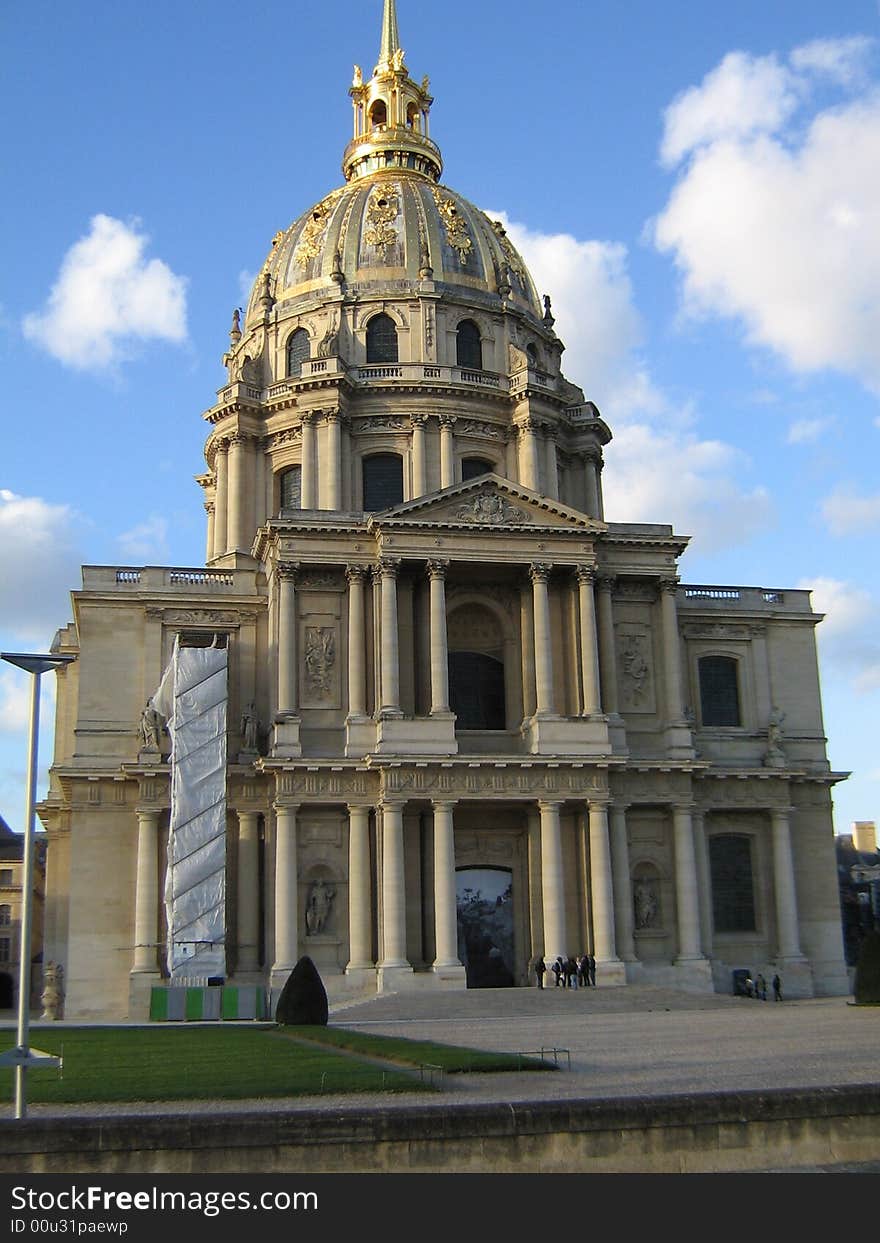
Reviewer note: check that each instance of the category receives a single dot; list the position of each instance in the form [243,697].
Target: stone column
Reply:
[607,653]
[333,500]
[527,634]
[390,706]
[286,893]
[357,681]
[447,450]
[552,883]
[445,914]
[439,654]
[589,643]
[146,900]
[704,880]
[551,465]
[783,886]
[238,538]
[671,651]
[592,459]
[359,918]
[529,469]
[601,887]
[536,901]
[287,688]
[221,497]
[623,902]
[248,922]
[393,887]
[686,901]
[540,575]
[308,491]
[419,462]
[209,542]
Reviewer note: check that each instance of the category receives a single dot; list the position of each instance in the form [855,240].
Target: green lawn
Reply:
[194,1062]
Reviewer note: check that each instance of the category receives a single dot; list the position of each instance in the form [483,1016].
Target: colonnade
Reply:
[609,901]
[240,503]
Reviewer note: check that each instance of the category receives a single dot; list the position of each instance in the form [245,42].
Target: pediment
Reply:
[487,502]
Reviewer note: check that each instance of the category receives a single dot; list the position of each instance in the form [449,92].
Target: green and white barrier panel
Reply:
[206,1005]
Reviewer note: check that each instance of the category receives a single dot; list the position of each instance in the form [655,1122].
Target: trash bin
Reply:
[740,975]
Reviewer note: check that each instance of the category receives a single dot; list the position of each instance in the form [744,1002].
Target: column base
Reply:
[552,735]
[695,973]
[140,985]
[365,974]
[796,976]
[678,741]
[285,742]
[610,973]
[248,757]
[450,975]
[419,736]
[360,736]
[394,979]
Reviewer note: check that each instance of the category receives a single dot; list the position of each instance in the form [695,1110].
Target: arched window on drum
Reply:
[299,351]
[381,340]
[469,346]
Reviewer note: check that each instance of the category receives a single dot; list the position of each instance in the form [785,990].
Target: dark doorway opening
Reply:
[485,926]
[7,991]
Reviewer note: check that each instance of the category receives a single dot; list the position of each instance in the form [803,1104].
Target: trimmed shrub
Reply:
[867,986]
[303,1000]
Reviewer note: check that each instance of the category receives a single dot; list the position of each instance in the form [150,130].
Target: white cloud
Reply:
[844,61]
[671,476]
[804,431]
[39,564]
[15,701]
[847,636]
[846,513]
[108,299]
[742,96]
[776,222]
[657,471]
[146,543]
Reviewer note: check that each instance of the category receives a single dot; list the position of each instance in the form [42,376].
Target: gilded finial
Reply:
[390,45]
[235,330]
[358,79]
[548,314]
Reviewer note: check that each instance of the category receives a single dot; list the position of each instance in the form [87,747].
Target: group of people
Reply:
[757,987]
[569,972]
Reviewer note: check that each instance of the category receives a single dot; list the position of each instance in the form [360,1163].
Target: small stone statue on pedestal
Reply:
[152,728]
[52,996]
[250,733]
[774,756]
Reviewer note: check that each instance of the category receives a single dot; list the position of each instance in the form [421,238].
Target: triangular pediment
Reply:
[489,501]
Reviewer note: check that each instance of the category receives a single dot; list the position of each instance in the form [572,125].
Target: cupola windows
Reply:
[469,346]
[381,340]
[383,481]
[290,489]
[472,467]
[299,351]
[378,113]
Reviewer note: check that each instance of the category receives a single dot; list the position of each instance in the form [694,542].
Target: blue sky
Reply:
[696,184]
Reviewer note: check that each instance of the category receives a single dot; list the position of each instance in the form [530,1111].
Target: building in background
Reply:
[11,902]
[471,720]
[858,870]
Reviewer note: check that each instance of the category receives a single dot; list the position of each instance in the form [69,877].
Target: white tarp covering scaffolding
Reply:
[193,698]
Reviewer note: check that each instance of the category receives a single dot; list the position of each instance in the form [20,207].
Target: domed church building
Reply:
[465,721]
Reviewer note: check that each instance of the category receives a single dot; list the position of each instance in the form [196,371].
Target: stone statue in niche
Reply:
[152,728]
[52,996]
[645,904]
[320,659]
[634,666]
[250,728]
[774,757]
[318,907]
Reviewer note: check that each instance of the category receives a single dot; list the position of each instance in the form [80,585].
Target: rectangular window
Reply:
[5,949]
[5,876]
[733,894]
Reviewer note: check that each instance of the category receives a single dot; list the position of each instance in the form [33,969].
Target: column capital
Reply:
[209,507]
[685,805]
[548,431]
[620,805]
[237,439]
[606,582]
[388,567]
[278,806]
[447,420]
[221,444]
[528,426]
[783,813]
[355,808]
[148,813]
[601,802]
[540,572]
[550,804]
[335,416]
[667,586]
[419,420]
[357,573]
[443,804]
[591,453]
[437,569]
[585,573]
[391,804]
[287,570]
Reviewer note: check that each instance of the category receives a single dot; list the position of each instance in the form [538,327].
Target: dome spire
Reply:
[390,38]
[390,114]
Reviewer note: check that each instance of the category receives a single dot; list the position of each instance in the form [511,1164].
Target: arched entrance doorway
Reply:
[484,901]
[7,991]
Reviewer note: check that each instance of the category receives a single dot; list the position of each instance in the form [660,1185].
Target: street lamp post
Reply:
[36,665]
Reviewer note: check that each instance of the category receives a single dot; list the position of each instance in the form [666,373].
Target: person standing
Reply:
[592,970]
[583,966]
[540,969]
[777,988]
[557,971]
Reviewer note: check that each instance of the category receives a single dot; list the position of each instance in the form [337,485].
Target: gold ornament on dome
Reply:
[456,228]
[311,240]
[513,260]
[382,209]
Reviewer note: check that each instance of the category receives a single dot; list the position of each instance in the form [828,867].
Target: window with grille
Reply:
[381,340]
[383,481]
[733,896]
[291,488]
[299,351]
[469,346]
[5,916]
[5,949]
[719,691]
[471,467]
[5,876]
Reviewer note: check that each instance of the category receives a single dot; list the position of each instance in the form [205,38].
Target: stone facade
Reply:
[477,678]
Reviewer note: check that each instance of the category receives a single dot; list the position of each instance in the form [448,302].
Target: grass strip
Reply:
[452,1058]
